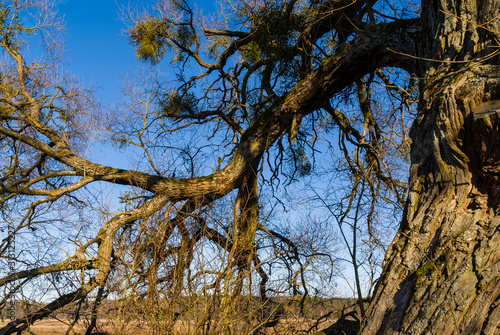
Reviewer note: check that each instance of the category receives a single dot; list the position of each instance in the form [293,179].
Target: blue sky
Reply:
[98,53]
[97,50]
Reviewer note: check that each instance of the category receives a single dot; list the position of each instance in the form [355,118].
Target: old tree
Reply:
[269,74]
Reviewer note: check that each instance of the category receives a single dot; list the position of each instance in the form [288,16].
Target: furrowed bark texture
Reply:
[442,272]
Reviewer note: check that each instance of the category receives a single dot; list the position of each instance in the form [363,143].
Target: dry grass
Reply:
[54,327]
[51,327]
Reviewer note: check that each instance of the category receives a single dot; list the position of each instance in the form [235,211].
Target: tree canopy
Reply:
[265,93]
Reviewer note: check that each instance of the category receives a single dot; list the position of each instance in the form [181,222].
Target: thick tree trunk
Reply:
[442,272]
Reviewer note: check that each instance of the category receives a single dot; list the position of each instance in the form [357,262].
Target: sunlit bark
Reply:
[441,273]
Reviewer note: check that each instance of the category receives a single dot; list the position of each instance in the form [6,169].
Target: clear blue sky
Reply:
[97,50]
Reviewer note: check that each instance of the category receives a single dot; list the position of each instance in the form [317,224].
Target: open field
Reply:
[326,310]
[54,327]
[51,327]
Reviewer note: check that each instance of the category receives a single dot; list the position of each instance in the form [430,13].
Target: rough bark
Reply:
[441,274]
